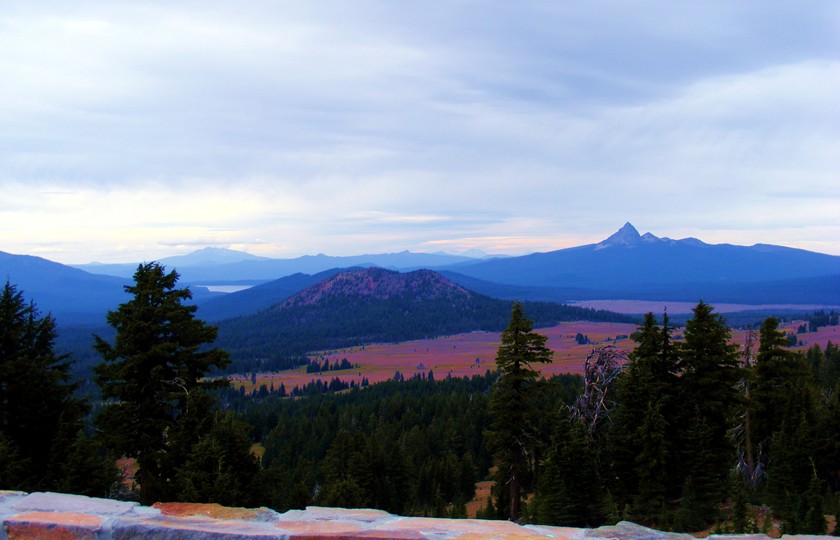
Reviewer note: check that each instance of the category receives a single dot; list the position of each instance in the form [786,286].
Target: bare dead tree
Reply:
[602,366]
[750,469]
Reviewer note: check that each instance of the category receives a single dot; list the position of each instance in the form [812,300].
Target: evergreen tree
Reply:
[740,520]
[702,465]
[813,517]
[790,466]
[221,467]
[651,464]
[690,516]
[827,441]
[511,434]
[649,382]
[569,491]
[778,373]
[40,417]
[710,368]
[158,360]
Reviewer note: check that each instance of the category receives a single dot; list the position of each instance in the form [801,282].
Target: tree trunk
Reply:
[514,493]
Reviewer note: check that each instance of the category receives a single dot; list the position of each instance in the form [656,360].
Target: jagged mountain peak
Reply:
[377,283]
[625,236]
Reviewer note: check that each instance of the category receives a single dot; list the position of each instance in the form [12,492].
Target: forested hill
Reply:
[374,305]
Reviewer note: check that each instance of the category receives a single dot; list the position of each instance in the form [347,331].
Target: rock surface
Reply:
[53,516]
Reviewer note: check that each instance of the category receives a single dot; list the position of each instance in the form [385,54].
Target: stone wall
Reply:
[53,516]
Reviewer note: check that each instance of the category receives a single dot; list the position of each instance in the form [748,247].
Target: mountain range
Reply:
[626,265]
[226,266]
[628,260]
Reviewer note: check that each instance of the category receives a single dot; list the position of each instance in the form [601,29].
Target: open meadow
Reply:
[474,353]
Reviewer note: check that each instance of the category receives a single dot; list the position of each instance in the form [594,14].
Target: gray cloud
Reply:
[345,128]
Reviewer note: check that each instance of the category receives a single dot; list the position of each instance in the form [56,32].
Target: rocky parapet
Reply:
[53,516]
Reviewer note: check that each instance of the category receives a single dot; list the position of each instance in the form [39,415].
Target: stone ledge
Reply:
[54,516]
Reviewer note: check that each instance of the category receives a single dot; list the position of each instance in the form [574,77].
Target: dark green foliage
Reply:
[41,419]
[642,450]
[778,372]
[13,466]
[220,467]
[413,447]
[826,446]
[513,407]
[150,374]
[652,463]
[87,468]
[825,365]
[811,509]
[790,468]
[740,519]
[691,514]
[710,373]
[570,491]
[703,466]
[821,318]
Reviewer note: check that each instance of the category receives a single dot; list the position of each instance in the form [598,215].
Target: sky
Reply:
[138,130]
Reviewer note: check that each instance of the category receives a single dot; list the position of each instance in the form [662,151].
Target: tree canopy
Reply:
[152,373]
[513,405]
[42,440]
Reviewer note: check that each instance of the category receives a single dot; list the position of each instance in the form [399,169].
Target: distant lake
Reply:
[226,288]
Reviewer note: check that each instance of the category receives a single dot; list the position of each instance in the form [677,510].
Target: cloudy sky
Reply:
[137,130]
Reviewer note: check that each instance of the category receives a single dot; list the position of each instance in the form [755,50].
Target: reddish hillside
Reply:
[379,284]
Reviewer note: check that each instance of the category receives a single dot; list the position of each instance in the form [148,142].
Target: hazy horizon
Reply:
[475,254]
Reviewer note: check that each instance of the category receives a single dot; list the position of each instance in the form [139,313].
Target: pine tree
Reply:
[221,467]
[40,416]
[778,371]
[711,372]
[649,380]
[813,517]
[570,492]
[651,464]
[791,452]
[157,361]
[690,516]
[511,435]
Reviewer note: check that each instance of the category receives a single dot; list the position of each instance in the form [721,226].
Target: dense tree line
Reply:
[696,423]
[412,447]
[315,366]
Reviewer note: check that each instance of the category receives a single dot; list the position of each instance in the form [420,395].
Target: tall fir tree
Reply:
[41,419]
[569,490]
[778,372]
[652,464]
[710,374]
[511,437]
[157,362]
[645,422]
[220,467]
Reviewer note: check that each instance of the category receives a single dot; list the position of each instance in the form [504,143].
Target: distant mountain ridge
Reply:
[625,265]
[65,292]
[628,262]
[211,266]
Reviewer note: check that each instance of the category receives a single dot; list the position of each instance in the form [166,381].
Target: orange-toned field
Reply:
[475,352]
[459,355]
